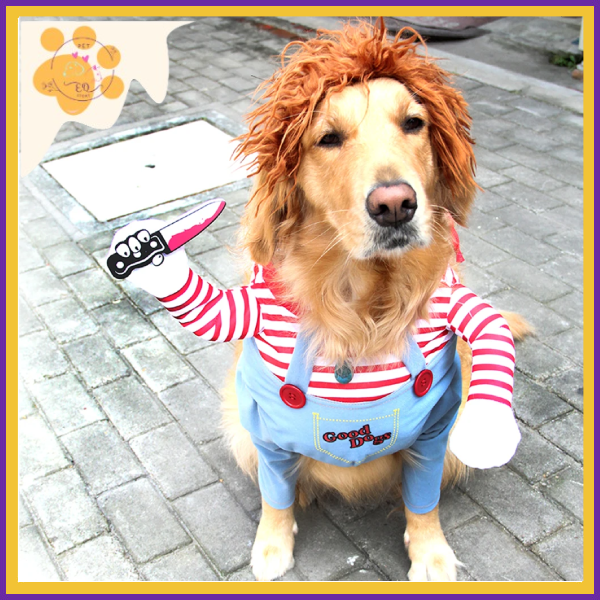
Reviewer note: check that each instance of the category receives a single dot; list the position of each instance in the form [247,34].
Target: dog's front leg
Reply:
[273,550]
[431,557]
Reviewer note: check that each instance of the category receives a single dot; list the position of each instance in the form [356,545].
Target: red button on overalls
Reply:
[292,396]
[423,382]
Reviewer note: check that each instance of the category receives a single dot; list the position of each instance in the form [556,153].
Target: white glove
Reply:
[486,435]
[159,280]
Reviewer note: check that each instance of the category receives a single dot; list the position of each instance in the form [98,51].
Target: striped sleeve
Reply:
[215,314]
[491,342]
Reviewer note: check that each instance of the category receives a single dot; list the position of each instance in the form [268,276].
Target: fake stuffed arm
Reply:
[487,434]
[205,310]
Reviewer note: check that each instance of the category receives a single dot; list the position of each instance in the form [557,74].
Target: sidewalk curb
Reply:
[566,98]
[510,81]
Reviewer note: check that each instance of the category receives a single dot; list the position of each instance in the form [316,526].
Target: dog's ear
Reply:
[453,149]
[269,218]
[457,203]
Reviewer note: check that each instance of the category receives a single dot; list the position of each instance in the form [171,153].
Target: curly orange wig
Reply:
[334,60]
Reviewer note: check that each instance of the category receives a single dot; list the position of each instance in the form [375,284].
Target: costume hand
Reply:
[486,435]
[158,279]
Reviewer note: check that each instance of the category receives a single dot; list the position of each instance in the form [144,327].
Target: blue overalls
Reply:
[348,434]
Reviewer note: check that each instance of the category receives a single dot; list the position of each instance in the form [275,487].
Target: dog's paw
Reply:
[432,562]
[272,558]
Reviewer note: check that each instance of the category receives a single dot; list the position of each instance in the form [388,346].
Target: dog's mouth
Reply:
[396,221]
[395,239]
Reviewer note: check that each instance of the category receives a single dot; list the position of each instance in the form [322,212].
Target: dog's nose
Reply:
[393,205]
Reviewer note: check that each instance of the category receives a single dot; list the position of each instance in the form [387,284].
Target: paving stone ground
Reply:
[124,474]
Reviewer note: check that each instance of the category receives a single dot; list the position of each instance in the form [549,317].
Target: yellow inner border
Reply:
[13,587]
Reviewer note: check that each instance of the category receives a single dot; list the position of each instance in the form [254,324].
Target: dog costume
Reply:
[292,404]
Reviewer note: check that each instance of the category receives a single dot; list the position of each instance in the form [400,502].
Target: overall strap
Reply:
[301,365]
[413,358]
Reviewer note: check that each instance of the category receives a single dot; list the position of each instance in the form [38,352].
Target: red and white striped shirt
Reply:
[253,310]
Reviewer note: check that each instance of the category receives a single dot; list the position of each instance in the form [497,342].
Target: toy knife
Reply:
[143,247]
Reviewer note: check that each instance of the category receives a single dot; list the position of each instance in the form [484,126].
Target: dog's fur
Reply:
[359,287]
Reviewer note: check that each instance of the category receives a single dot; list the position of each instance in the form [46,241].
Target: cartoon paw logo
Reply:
[81,70]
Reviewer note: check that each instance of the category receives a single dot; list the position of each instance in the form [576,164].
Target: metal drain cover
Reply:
[145,171]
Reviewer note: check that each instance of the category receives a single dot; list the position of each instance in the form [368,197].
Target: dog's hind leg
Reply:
[273,550]
[431,557]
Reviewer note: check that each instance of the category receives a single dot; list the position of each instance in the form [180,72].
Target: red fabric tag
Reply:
[455,241]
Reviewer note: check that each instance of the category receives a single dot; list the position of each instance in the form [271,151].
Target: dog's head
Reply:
[364,134]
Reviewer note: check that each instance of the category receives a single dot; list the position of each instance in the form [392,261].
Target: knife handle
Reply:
[138,250]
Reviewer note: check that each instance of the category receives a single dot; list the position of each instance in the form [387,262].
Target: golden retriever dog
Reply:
[361,150]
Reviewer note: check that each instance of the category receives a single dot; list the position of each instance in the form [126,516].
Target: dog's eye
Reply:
[330,140]
[412,125]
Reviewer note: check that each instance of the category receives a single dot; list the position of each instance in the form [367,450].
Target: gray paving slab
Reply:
[569,343]
[25,517]
[482,283]
[567,433]
[45,232]
[364,575]
[67,320]
[520,244]
[187,564]
[25,403]
[39,450]
[490,554]
[29,208]
[101,559]
[214,363]
[568,542]
[66,403]
[534,403]
[566,488]
[531,280]
[380,537]
[173,461]
[196,406]
[103,458]
[158,364]
[29,257]
[143,520]
[322,551]
[93,288]
[132,409]
[40,357]
[123,323]
[68,258]
[526,197]
[569,385]
[96,360]
[220,525]
[35,564]
[566,270]
[41,286]
[539,361]
[536,458]
[456,508]
[522,511]
[28,321]
[183,340]
[538,226]
[544,320]
[222,265]
[66,512]
[240,485]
